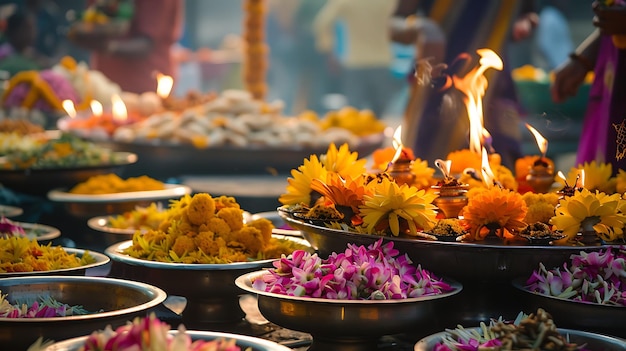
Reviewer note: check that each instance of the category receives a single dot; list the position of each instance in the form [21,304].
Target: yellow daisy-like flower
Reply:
[299,188]
[589,210]
[392,205]
[598,176]
[341,192]
[423,174]
[540,207]
[342,161]
[496,209]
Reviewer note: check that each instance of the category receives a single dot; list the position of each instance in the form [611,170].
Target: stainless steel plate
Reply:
[101,260]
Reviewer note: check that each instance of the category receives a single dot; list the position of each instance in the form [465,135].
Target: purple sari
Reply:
[603,136]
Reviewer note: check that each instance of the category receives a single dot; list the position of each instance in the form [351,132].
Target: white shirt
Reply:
[367,26]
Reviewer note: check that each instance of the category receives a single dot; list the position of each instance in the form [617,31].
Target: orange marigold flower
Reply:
[498,210]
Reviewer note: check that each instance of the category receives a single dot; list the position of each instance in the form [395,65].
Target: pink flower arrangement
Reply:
[590,277]
[149,333]
[376,272]
[46,307]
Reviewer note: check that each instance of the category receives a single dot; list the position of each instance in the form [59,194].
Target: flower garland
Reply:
[375,272]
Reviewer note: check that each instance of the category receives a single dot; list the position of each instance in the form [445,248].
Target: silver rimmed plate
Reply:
[170,191]
[39,232]
[212,298]
[346,324]
[111,301]
[10,211]
[103,224]
[101,260]
[244,342]
[592,341]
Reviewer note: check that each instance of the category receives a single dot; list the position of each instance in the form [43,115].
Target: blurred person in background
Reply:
[437,119]
[17,52]
[603,137]
[366,65]
[553,36]
[133,58]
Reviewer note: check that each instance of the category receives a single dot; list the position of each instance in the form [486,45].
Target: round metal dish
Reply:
[85,206]
[165,160]
[39,232]
[243,341]
[489,260]
[101,260]
[40,181]
[592,341]
[119,300]
[346,324]
[575,314]
[10,211]
[212,297]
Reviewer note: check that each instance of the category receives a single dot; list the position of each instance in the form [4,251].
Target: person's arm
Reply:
[324,25]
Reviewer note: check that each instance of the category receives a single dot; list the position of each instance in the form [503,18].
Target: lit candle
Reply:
[452,194]
[68,106]
[96,108]
[400,166]
[541,174]
[118,109]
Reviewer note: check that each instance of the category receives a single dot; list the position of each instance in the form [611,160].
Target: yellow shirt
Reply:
[366,23]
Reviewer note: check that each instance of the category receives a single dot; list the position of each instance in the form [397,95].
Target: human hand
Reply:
[611,19]
[568,77]
[523,26]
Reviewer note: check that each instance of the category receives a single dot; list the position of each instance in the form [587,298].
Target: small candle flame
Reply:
[444,166]
[164,85]
[562,176]
[118,109]
[580,183]
[396,142]
[96,108]
[68,106]
[542,142]
[488,176]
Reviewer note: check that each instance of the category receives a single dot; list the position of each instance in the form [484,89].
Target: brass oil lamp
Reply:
[541,175]
[452,193]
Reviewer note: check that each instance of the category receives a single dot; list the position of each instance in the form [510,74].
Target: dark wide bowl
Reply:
[118,300]
[101,260]
[210,290]
[40,181]
[592,341]
[349,324]
[243,341]
[568,313]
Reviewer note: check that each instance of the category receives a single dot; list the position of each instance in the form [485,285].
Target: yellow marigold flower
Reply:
[341,192]
[496,209]
[423,174]
[598,176]
[392,205]
[342,161]
[540,207]
[299,188]
[589,210]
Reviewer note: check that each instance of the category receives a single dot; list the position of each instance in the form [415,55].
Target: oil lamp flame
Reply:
[68,106]
[580,183]
[542,142]
[118,109]
[164,85]
[488,176]
[96,108]
[444,166]
[473,85]
[396,142]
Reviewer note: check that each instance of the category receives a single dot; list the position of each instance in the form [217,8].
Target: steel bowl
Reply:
[243,341]
[210,290]
[39,232]
[10,211]
[592,341]
[87,205]
[119,300]
[608,319]
[101,260]
[40,181]
[346,324]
